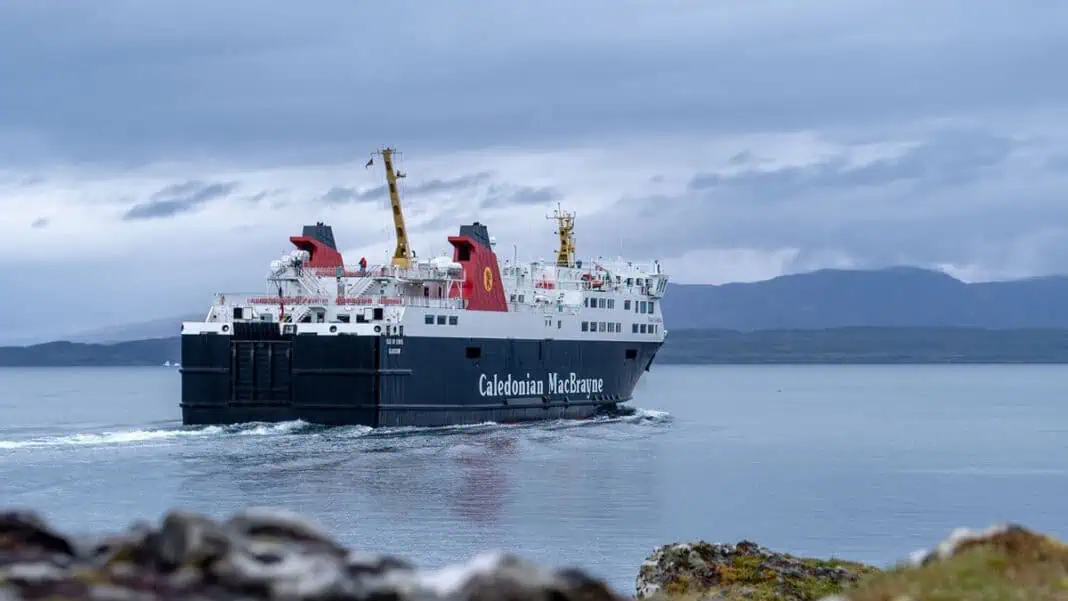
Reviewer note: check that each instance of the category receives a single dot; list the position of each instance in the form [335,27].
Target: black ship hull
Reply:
[259,375]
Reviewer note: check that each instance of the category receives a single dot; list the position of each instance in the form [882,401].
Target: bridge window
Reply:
[626,305]
[441,320]
[585,326]
[428,319]
[611,303]
[453,320]
[641,328]
[633,328]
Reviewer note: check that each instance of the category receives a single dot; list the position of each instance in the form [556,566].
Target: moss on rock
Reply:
[1000,564]
[745,570]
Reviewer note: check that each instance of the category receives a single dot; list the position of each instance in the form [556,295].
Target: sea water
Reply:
[863,462]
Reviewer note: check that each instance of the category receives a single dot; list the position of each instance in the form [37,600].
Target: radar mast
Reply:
[565,223]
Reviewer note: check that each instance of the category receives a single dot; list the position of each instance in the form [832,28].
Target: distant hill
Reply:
[76,354]
[839,345]
[895,297]
[903,297]
[866,345]
[157,328]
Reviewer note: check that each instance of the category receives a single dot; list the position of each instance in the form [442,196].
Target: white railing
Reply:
[404,301]
[311,282]
[358,287]
[418,273]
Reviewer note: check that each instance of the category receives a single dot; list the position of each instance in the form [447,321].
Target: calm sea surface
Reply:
[866,462]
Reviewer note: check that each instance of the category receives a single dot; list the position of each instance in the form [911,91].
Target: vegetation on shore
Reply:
[1003,563]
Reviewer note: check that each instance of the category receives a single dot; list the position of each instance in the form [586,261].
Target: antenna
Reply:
[565,254]
[402,256]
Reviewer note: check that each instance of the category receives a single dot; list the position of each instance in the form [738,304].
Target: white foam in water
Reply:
[106,438]
[142,436]
[278,428]
[283,428]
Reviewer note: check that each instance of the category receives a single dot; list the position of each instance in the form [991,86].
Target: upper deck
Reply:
[312,284]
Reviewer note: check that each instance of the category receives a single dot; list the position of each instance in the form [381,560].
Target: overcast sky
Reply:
[153,153]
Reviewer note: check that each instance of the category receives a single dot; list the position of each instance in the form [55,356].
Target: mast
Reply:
[402,256]
[565,254]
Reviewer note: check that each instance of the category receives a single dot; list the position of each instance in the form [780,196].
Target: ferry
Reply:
[449,340]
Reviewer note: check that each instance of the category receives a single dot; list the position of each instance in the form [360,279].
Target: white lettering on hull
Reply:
[571,384]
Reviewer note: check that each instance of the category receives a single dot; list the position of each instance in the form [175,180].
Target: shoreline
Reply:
[838,346]
[267,554]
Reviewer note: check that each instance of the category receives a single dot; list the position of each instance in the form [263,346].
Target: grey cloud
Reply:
[951,158]
[262,195]
[505,195]
[744,157]
[346,195]
[177,199]
[341,195]
[953,199]
[40,222]
[529,77]
[1058,163]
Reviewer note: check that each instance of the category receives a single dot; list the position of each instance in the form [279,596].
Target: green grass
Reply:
[1012,566]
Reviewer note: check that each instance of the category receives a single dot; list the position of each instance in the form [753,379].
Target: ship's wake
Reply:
[135,437]
[140,436]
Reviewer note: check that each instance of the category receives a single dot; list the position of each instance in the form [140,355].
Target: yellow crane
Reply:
[565,254]
[402,256]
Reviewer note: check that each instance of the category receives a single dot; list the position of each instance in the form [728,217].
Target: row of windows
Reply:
[601,303]
[428,319]
[616,327]
[601,326]
[643,307]
[610,303]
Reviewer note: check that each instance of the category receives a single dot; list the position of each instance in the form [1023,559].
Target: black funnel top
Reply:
[322,233]
[477,232]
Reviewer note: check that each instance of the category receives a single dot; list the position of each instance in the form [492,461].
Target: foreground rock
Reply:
[257,554]
[269,554]
[742,571]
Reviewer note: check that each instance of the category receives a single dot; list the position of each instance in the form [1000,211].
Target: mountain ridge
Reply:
[849,345]
[891,297]
[900,296]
